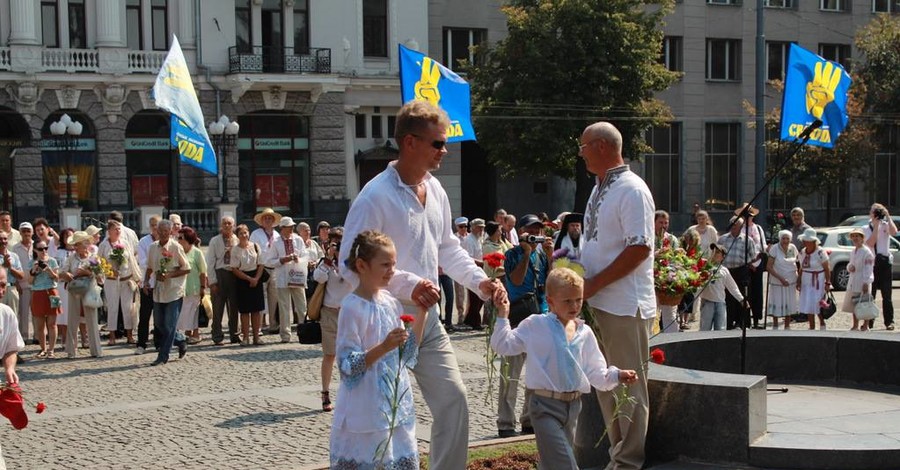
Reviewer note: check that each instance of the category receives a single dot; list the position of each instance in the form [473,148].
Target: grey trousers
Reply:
[225,298]
[509,393]
[554,430]
[624,341]
[437,373]
[93,329]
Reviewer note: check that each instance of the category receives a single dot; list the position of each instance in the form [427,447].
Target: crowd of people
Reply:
[380,313]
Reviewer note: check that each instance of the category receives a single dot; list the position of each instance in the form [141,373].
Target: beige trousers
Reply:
[624,342]
[287,312]
[509,393]
[93,329]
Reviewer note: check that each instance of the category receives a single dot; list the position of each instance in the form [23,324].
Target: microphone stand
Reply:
[799,142]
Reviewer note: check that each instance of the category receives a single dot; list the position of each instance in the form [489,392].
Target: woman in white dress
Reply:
[374,420]
[782,269]
[862,273]
[815,277]
[708,235]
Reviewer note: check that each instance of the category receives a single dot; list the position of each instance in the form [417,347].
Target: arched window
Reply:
[79,155]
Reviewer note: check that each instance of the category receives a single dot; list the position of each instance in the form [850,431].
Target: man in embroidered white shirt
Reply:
[222,283]
[290,262]
[409,205]
[266,236]
[617,256]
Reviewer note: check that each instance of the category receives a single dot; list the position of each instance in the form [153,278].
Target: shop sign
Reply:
[77,145]
[147,143]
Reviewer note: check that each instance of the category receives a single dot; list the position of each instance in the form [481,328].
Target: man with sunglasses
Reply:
[407,203]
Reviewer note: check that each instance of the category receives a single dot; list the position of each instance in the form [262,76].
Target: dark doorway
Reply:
[479,191]
[272,37]
[14,134]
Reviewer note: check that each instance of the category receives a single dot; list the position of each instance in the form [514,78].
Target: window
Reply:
[133,28]
[671,53]
[885,6]
[242,25]
[361,126]
[375,28]
[301,27]
[77,35]
[886,169]
[50,24]
[661,168]
[781,4]
[834,5]
[391,124]
[839,53]
[777,59]
[159,26]
[723,2]
[723,59]
[720,165]
[458,45]
[376,126]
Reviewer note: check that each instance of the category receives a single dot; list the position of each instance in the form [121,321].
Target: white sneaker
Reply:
[822,327]
[139,351]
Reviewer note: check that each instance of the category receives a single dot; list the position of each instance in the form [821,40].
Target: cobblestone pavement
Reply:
[220,407]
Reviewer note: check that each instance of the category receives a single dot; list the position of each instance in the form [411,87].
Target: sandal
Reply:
[326,402]
[50,355]
[41,354]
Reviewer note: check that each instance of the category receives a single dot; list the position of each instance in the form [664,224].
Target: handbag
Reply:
[866,308]
[314,305]
[523,308]
[829,310]
[93,298]
[79,286]
[309,332]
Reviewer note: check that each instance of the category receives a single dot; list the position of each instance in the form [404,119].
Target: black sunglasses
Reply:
[40,249]
[436,144]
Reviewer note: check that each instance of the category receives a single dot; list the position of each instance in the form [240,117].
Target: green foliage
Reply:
[565,64]
[879,43]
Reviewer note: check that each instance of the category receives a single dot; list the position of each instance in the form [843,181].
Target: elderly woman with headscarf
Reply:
[815,275]
[782,268]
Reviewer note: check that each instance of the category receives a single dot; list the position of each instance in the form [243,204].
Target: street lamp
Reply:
[65,134]
[223,133]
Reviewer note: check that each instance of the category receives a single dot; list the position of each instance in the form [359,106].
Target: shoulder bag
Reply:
[866,308]
[829,310]
[79,286]
[265,274]
[314,306]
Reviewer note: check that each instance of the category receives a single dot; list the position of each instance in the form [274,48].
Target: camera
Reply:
[535,239]
[879,214]
[42,265]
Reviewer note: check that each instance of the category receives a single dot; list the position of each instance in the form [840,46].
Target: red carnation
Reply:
[407,319]
[701,263]
[780,215]
[664,262]
[41,407]
[665,242]
[692,252]
[494,260]
[658,356]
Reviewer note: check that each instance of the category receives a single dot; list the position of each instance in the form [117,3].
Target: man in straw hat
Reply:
[424,240]
[266,237]
[289,260]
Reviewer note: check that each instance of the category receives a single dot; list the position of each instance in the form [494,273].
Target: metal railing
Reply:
[271,59]
[201,220]
[5,58]
[145,61]
[132,219]
[70,60]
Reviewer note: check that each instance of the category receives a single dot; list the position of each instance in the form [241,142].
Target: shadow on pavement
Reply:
[270,355]
[263,419]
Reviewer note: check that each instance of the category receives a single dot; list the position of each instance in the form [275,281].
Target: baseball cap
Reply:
[26,225]
[461,221]
[529,219]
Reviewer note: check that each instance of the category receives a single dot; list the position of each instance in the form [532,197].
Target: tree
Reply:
[879,43]
[816,170]
[564,65]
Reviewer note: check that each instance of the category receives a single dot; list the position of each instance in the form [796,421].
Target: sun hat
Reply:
[92,230]
[857,231]
[78,237]
[478,222]
[461,221]
[717,247]
[286,222]
[753,210]
[267,211]
[809,235]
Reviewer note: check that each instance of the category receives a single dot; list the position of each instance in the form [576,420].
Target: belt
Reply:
[119,279]
[561,396]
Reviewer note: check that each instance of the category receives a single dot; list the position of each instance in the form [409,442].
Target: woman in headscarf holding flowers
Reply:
[76,269]
[119,288]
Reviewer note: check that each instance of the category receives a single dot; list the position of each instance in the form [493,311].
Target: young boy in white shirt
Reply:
[562,362]
[712,308]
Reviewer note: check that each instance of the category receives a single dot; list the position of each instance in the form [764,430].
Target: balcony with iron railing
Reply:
[272,59]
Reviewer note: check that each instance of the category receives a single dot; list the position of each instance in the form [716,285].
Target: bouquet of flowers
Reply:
[550,228]
[165,262]
[677,272]
[494,261]
[99,267]
[117,255]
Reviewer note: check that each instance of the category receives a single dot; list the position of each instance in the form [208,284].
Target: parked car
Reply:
[836,242]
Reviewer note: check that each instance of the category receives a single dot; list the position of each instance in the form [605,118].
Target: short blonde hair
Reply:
[563,277]
[415,117]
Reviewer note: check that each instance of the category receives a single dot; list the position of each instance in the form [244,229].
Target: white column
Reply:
[288,23]
[63,6]
[186,18]
[23,22]
[256,22]
[109,31]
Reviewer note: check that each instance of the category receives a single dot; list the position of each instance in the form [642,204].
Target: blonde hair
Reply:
[563,277]
[241,227]
[415,117]
[366,246]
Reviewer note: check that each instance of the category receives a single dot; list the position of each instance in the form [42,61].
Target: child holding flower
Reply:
[374,421]
[563,361]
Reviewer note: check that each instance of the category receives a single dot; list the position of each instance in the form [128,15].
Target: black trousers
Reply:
[736,314]
[755,295]
[883,282]
[447,288]
[146,313]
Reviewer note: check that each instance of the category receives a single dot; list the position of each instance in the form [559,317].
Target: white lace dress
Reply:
[812,284]
[783,299]
[363,405]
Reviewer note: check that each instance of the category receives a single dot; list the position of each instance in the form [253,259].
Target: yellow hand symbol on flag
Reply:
[426,88]
[820,91]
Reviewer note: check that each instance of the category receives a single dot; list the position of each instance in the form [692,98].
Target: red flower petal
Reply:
[41,407]
[658,356]
[407,319]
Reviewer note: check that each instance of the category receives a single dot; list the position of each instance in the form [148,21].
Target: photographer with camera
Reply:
[526,267]
[878,233]
[328,272]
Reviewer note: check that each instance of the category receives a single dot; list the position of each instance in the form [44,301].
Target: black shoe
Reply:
[449,328]
[504,433]
[236,340]
[182,349]
[527,430]
[157,362]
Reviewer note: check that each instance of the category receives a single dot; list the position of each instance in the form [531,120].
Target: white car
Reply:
[836,242]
